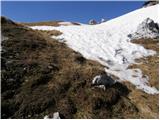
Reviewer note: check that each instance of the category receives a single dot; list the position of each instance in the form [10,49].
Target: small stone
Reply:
[50,67]
[11,80]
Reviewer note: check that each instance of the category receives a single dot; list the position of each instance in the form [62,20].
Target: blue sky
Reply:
[31,11]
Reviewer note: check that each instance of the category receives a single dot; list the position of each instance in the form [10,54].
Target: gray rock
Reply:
[102,81]
[55,115]
[92,22]
[150,3]
[147,29]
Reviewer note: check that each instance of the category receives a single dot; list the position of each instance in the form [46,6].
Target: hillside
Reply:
[58,71]
[109,43]
[41,76]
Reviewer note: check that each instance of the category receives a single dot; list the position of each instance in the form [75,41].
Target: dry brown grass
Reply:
[148,43]
[42,65]
[48,23]
[147,104]
[149,65]
[50,33]
[49,77]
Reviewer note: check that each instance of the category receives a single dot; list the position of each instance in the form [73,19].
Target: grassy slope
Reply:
[41,76]
[150,65]
[148,105]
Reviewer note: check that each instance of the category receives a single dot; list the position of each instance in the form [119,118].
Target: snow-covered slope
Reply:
[109,44]
[68,23]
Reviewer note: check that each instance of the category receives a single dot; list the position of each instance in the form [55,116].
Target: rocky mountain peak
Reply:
[147,29]
[150,3]
[92,22]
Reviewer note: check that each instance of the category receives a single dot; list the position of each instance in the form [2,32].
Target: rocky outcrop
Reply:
[92,22]
[102,81]
[5,20]
[150,3]
[147,29]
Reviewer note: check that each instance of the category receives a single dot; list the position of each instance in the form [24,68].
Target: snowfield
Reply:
[65,23]
[109,44]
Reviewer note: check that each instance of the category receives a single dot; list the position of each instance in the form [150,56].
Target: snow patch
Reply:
[135,77]
[55,116]
[101,86]
[65,23]
[109,44]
